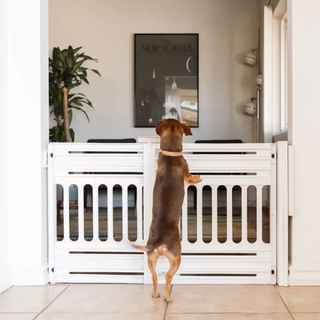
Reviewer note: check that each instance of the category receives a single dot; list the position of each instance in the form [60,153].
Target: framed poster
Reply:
[166,78]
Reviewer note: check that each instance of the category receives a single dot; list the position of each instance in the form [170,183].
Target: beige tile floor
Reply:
[134,302]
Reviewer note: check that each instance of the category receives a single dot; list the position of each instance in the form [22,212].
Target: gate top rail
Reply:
[247,158]
[93,148]
[257,148]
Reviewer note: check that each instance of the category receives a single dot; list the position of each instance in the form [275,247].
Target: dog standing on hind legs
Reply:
[168,195]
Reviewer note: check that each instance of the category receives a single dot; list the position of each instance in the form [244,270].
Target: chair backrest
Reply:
[127,140]
[218,141]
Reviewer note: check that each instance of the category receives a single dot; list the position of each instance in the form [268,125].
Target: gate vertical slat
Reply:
[185,217]
[229,214]
[199,215]
[273,218]
[52,215]
[95,211]
[244,213]
[124,213]
[110,213]
[81,212]
[214,214]
[259,214]
[280,218]
[66,214]
[139,213]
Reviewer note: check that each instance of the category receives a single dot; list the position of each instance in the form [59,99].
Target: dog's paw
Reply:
[194,179]
[155,295]
[168,299]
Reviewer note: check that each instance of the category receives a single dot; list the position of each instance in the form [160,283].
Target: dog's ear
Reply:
[159,128]
[186,130]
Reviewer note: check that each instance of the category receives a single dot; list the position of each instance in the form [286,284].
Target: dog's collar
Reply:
[171,154]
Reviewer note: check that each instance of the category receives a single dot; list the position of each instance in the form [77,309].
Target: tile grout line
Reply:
[165,310]
[238,313]
[39,314]
[18,312]
[283,302]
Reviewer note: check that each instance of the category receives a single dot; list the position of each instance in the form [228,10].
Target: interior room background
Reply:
[105,29]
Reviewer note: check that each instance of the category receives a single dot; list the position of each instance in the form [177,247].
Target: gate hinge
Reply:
[274,156]
[45,159]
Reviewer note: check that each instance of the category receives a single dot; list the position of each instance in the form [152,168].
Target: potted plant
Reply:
[66,71]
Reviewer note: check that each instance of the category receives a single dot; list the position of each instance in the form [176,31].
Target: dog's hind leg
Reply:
[152,263]
[174,266]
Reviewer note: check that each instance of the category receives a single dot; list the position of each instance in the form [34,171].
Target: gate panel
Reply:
[228,166]
[85,257]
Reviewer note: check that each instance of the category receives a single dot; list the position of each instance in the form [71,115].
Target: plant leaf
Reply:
[76,50]
[96,71]
[69,60]
[77,65]
[63,136]
[70,114]
[62,58]
[83,112]
[72,134]
[56,133]
[78,103]
[84,78]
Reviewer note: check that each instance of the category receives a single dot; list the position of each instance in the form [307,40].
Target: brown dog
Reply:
[168,195]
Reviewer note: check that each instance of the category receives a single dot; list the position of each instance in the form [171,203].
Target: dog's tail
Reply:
[146,248]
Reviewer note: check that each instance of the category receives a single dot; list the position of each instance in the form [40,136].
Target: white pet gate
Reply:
[100,202]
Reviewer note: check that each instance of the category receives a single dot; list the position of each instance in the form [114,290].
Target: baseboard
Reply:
[304,275]
[5,281]
[30,275]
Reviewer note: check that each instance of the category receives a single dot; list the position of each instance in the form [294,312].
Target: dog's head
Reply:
[171,132]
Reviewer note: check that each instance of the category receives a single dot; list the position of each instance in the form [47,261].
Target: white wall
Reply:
[304,135]
[5,276]
[23,138]
[105,28]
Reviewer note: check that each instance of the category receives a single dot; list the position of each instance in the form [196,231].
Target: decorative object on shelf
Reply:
[259,82]
[250,107]
[250,58]
[166,79]
[66,71]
